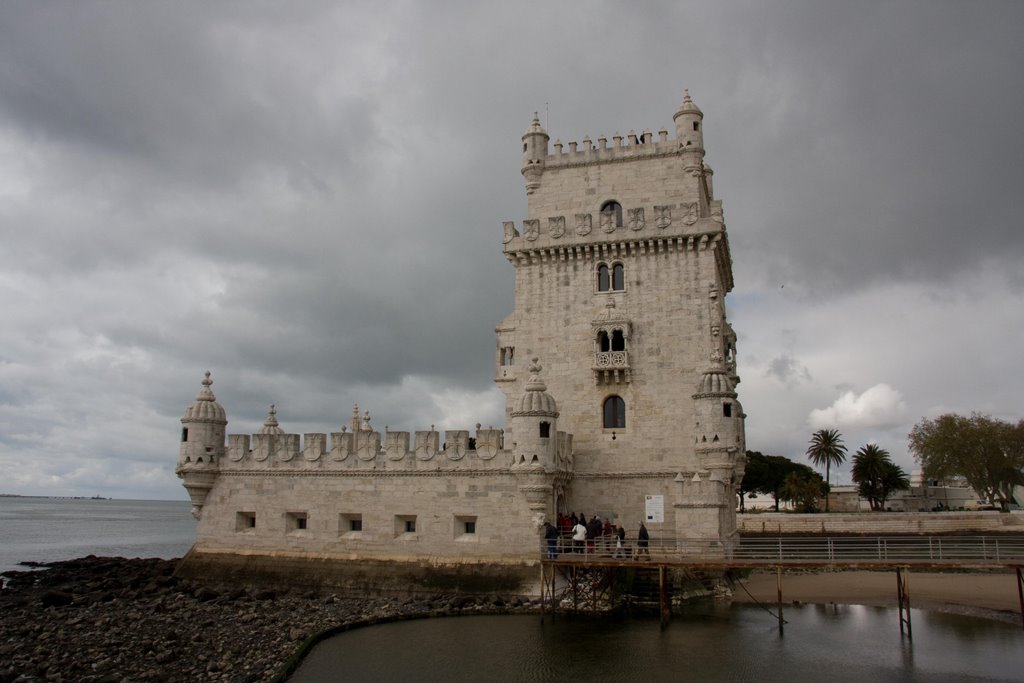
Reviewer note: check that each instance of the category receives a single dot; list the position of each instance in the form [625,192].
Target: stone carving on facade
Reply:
[341,445]
[511,233]
[716,212]
[607,221]
[426,444]
[556,226]
[663,216]
[531,229]
[691,212]
[261,450]
[456,444]
[583,224]
[636,219]
[367,445]
[314,447]
[396,444]
[488,442]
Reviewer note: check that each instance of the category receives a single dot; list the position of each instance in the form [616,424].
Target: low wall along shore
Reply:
[879,523]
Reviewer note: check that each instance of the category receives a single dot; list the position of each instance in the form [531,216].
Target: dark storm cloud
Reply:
[306,200]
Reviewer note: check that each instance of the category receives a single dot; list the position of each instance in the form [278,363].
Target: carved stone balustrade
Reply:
[611,367]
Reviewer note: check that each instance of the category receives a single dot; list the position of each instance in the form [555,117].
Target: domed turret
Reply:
[719,414]
[715,383]
[535,399]
[270,425]
[535,151]
[689,126]
[202,444]
[534,423]
[205,408]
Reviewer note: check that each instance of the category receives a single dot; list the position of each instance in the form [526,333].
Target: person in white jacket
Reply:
[579,537]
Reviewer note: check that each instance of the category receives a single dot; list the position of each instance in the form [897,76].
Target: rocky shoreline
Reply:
[113,620]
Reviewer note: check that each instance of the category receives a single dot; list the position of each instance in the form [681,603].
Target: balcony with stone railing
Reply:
[611,367]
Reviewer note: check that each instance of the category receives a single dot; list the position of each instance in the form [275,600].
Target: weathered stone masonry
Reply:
[621,271]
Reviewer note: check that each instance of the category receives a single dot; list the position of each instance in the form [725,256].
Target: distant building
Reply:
[619,370]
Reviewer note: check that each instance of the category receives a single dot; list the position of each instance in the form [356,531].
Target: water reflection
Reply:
[738,643]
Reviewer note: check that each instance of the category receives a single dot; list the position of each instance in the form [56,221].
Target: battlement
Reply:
[630,146]
[367,449]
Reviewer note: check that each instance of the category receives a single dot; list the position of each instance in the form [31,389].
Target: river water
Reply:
[737,643]
[49,529]
[712,643]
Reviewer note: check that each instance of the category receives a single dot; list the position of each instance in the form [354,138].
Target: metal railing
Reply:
[820,549]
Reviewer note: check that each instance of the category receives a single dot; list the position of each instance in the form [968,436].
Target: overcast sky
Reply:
[306,199]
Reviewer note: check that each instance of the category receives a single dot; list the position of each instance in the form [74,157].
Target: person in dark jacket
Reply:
[551,536]
[643,540]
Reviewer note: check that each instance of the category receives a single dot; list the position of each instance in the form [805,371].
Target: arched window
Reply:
[618,341]
[614,413]
[610,279]
[614,209]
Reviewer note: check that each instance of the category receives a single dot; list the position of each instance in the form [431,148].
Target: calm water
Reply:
[46,529]
[740,643]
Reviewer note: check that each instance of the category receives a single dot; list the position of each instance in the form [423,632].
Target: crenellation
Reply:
[618,367]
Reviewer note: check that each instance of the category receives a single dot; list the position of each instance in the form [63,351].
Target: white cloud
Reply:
[880,407]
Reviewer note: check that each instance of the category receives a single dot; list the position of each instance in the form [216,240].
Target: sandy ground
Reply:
[990,594]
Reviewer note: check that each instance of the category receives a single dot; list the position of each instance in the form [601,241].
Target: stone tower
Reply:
[621,270]
[202,445]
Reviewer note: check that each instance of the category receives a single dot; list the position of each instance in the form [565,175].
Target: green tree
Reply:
[766,474]
[876,475]
[826,448]
[803,491]
[987,453]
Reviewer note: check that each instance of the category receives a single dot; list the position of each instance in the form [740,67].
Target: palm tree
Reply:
[893,479]
[826,448]
[876,475]
[869,465]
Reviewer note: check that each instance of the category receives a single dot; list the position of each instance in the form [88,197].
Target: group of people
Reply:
[576,534]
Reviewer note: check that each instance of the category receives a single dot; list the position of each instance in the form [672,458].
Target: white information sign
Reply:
[654,509]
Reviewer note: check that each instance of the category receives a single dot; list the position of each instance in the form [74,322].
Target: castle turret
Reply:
[535,151]
[202,445]
[534,423]
[689,121]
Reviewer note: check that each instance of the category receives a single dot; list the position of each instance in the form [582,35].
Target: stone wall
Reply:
[472,516]
[772,523]
[326,574]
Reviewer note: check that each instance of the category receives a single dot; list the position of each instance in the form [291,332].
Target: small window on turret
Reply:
[184,434]
[696,125]
[726,410]
[508,354]
[545,430]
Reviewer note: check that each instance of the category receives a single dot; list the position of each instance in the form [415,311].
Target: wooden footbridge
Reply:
[598,575]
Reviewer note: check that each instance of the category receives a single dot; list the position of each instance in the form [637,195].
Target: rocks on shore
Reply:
[113,620]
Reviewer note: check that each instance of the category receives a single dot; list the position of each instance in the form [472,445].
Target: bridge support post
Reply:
[778,583]
[1020,595]
[903,598]
[663,599]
